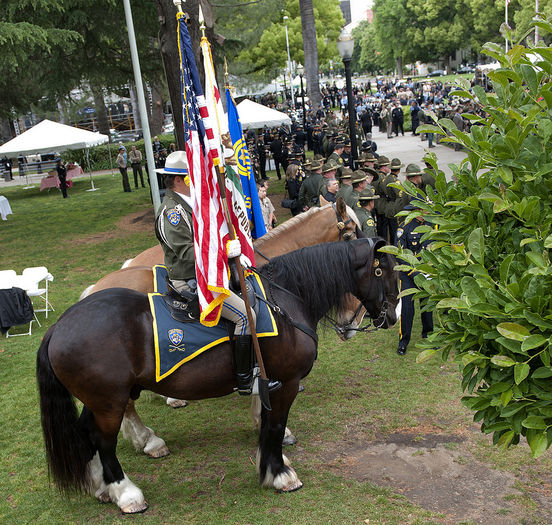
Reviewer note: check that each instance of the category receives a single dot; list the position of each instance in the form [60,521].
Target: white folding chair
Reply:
[30,282]
[7,278]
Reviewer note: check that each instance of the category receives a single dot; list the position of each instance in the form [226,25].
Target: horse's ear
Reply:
[379,243]
[323,201]
[341,207]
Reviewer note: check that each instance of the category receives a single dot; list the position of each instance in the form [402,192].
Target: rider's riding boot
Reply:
[243,363]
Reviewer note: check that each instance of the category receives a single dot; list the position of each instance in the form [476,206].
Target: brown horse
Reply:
[318,225]
[101,351]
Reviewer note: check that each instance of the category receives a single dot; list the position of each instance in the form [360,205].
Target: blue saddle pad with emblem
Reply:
[177,343]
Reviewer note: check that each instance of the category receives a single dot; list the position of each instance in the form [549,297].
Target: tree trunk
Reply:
[168,41]
[101,114]
[310,50]
[400,67]
[156,121]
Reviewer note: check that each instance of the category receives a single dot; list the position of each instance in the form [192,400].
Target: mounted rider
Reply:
[174,230]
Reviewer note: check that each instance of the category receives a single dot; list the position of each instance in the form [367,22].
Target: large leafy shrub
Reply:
[490,277]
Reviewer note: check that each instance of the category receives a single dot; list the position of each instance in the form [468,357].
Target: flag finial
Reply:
[178,5]
[201,22]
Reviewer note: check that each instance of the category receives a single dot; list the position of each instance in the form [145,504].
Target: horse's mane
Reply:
[321,275]
[287,225]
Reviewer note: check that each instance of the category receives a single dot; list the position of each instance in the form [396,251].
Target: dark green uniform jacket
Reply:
[366,221]
[174,229]
[309,193]
[345,192]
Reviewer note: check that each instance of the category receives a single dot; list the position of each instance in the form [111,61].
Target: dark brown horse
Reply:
[101,352]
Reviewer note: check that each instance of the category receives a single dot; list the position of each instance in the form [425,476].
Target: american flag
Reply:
[210,228]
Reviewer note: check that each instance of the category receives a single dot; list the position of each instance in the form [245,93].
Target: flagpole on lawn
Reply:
[264,394]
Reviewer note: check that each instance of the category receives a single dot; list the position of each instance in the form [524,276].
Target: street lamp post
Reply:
[289,65]
[345,46]
[301,70]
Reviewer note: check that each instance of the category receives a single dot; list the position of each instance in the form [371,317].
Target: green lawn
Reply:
[359,392]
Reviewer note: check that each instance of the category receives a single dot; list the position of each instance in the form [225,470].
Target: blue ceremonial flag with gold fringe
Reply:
[245,169]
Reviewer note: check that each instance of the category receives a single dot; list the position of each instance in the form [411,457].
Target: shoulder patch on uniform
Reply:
[370,222]
[400,231]
[173,216]
[358,204]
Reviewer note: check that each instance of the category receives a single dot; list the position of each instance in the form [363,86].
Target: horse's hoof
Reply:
[292,487]
[156,447]
[289,440]
[135,508]
[177,403]
[159,453]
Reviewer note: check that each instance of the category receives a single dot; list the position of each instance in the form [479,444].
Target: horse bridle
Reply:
[341,224]
[376,323]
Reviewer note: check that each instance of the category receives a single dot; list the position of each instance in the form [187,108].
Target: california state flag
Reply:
[212,95]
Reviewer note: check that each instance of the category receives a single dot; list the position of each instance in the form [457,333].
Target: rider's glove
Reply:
[233,248]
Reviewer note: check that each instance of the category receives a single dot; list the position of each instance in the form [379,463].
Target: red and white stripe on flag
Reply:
[210,228]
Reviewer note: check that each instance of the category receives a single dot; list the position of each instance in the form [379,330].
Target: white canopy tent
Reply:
[254,115]
[49,137]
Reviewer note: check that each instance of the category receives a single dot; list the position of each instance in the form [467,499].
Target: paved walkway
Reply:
[411,149]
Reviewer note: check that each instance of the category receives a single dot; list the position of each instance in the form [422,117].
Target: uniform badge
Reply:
[175,336]
[173,216]
[400,231]
[370,222]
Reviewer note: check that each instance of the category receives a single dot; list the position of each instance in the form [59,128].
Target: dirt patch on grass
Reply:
[438,472]
[137,222]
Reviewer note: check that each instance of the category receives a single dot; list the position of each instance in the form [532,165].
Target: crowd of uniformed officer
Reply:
[368,190]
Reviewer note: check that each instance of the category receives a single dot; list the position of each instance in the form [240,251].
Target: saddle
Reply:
[184,305]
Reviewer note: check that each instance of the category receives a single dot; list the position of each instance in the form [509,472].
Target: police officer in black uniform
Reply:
[411,240]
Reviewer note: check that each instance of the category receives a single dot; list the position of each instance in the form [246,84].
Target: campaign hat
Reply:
[346,173]
[412,170]
[368,194]
[396,164]
[358,176]
[176,164]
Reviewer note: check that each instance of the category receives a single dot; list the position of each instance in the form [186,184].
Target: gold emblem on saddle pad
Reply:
[175,337]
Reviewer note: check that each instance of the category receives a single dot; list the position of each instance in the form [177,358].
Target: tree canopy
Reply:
[30,36]
[270,53]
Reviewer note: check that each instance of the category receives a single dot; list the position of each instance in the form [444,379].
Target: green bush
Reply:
[490,282]
[99,155]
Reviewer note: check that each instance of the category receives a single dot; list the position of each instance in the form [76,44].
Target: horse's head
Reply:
[377,282]
[341,222]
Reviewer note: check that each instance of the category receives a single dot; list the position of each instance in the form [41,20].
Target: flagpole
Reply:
[264,395]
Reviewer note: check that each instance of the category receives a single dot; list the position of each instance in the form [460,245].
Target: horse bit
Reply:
[383,311]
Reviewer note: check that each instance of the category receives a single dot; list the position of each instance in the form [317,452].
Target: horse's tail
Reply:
[68,447]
